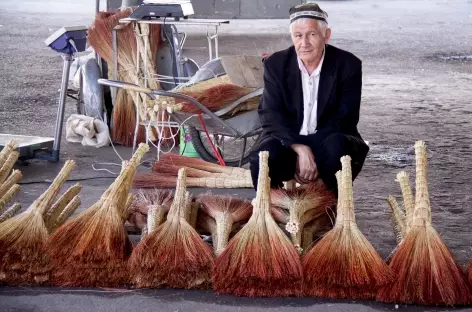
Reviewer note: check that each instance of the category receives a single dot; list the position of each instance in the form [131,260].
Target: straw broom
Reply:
[153,180]
[92,249]
[22,238]
[302,203]
[260,260]
[179,161]
[427,272]
[343,264]
[173,255]
[225,210]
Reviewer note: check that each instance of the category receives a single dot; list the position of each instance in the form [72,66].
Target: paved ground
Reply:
[417,64]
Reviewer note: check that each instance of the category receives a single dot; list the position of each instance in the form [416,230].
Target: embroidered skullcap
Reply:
[307,10]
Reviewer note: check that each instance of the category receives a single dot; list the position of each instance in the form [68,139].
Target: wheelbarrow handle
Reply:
[124,85]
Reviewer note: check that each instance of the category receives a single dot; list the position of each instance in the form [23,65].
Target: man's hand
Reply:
[306,166]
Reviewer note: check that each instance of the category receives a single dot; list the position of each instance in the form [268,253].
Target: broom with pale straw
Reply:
[153,180]
[226,211]
[8,181]
[260,260]
[343,264]
[173,255]
[426,269]
[23,259]
[92,249]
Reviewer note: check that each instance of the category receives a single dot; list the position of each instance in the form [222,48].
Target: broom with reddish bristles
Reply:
[177,161]
[173,255]
[22,238]
[93,248]
[306,203]
[260,260]
[225,210]
[154,180]
[343,264]
[426,269]
[158,200]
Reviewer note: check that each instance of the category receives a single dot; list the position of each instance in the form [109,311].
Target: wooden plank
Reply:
[244,70]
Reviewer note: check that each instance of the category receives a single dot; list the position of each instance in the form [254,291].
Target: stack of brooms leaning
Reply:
[252,254]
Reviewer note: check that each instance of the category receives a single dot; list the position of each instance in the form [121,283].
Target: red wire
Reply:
[218,156]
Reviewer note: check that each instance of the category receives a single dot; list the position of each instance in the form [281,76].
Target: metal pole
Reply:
[68,58]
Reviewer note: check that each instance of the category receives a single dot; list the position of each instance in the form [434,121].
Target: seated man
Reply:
[310,106]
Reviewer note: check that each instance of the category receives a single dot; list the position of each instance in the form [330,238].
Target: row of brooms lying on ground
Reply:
[93,249]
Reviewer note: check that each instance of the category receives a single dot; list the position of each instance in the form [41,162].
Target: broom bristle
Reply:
[260,260]
[343,264]
[214,98]
[174,255]
[427,272]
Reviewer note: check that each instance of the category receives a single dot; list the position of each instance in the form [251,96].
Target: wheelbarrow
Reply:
[244,128]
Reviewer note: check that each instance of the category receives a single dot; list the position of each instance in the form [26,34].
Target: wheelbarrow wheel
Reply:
[231,156]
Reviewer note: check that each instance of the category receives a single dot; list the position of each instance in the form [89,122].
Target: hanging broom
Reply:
[92,249]
[260,260]
[177,161]
[22,238]
[225,210]
[153,180]
[173,255]
[343,264]
[302,203]
[427,272]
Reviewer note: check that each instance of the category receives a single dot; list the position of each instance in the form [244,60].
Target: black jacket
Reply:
[339,95]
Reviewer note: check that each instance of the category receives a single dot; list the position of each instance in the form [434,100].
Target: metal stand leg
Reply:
[62,103]
[210,39]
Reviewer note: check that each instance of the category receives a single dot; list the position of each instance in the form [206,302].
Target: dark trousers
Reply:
[328,152]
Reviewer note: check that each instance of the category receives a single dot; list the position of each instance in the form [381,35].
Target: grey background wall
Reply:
[233,8]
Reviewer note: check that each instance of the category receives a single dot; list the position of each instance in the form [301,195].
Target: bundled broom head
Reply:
[22,238]
[260,260]
[173,255]
[304,204]
[92,249]
[159,200]
[343,264]
[179,161]
[426,269]
[225,210]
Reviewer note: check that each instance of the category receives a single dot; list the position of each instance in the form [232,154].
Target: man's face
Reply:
[309,40]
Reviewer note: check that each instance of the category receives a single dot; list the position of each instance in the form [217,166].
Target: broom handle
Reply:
[8,165]
[152,222]
[398,216]
[408,200]
[422,213]
[55,211]
[5,152]
[177,208]
[339,210]
[348,198]
[8,196]
[14,177]
[224,224]
[10,212]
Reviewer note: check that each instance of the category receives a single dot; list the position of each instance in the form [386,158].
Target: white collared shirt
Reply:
[310,85]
